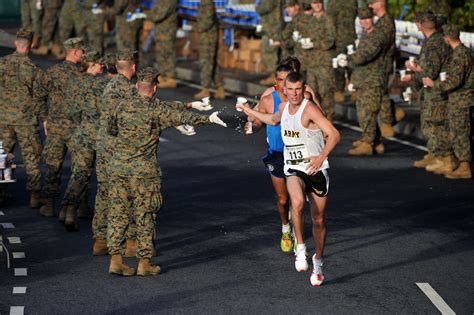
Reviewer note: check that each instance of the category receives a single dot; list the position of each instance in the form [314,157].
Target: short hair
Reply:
[146,86]
[23,42]
[293,62]
[123,65]
[295,77]
[283,68]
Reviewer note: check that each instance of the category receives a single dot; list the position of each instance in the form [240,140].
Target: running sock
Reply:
[316,261]
[300,247]
[285,228]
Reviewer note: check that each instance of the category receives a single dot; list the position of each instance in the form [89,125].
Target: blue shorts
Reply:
[274,162]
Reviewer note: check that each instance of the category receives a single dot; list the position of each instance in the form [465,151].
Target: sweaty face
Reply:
[280,80]
[317,7]
[366,24]
[294,92]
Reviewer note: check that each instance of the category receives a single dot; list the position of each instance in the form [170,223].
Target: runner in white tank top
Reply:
[309,137]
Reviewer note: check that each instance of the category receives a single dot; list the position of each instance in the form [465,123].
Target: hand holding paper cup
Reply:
[443,76]
[240,103]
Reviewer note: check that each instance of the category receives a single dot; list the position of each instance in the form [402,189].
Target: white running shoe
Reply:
[186,130]
[317,276]
[301,264]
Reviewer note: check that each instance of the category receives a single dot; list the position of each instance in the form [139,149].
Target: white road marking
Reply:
[164,139]
[436,299]
[14,240]
[21,272]
[407,143]
[19,290]
[17,310]
[7,225]
[18,255]
[2,213]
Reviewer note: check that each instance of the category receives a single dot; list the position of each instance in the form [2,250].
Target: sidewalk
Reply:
[243,83]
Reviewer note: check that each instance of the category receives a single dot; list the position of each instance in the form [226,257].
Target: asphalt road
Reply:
[390,226]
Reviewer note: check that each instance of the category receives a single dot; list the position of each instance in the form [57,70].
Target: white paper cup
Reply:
[403,73]
[258,28]
[406,97]
[3,160]
[443,76]
[334,63]
[241,101]
[7,174]
[412,60]
[248,128]
[408,90]
[296,34]
[206,100]
[350,49]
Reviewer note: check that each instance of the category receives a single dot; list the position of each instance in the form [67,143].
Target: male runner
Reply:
[309,137]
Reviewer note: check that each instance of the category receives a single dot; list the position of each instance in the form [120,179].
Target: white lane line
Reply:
[407,143]
[7,225]
[2,213]
[18,255]
[17,310]
[19,290]
[14,240]
[21,272]
[164,139]
[436,299]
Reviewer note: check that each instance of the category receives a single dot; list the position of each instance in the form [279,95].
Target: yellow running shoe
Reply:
[286,242]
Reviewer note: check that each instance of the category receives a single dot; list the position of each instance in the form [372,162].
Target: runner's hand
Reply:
[213,118]
[200,106]
[314,164]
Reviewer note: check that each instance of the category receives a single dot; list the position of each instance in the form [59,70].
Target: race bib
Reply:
[296,154]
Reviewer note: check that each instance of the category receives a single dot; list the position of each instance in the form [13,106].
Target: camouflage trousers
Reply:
[127,34]
[210,71]
[165,55]
[321,79]
[460,133]
[49,23]
[368,107]
[30,16]
[30,143]
[143,196]
[387,109]
[71,19]
[58,142]
[82,158]
[101,208]
[434,123]
[270,54]
[94,30]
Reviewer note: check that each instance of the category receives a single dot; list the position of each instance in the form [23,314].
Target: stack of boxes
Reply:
[248,57]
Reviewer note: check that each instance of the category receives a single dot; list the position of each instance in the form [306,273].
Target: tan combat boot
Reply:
[41,51]
[399,114]
[220,93]
[202,94]
[387,130]
[146,268]
[356,143]
[380,148]
[363,148]
[169,83]
[70,219]
[119,268]
[56,50]
[100,247]
[35,200]
[427,159]
[339,97]
[462,172]
[84,211]
[131,249]
[48,209]
[269,81]
[354,96]
[440,164]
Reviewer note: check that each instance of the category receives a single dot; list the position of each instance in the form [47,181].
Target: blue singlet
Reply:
[275,142]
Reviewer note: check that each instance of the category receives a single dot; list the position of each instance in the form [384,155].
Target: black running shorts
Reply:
[317,183]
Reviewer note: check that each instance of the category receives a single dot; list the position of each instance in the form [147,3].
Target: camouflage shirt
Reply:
[64,83]
[387,25]
[136,125]
[300,23]
[460,82]
[22,91]
[165,16]
[207,19]
[324,39]
[343,13]
[271,18]
[121,8]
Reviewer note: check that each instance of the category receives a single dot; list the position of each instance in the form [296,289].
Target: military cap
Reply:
[74,43]
[451,30]
[148,75]
[110,58]
[127,55]
[426,16]
[92,56]
[365,13]
[290,3]
[24,34]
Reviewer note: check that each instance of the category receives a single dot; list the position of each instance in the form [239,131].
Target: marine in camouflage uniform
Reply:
[64,83]
[368,78]
[31,19]
[165,17]
[71,19]
[434,56]
[207,26]
[23,104]
[271,19]
[49,21]
[320,72]
[85,113]
[135,177]
[126,33]
[460,86]
[94,24]
[119,88]
[343,13]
